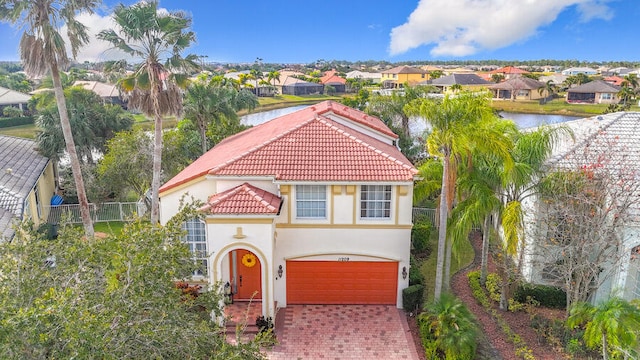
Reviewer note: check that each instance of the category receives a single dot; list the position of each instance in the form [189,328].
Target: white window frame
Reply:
[196,240]
[606,96]
[375,202]
[315,202]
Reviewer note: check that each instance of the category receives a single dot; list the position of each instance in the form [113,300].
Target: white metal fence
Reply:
[425,212]
[111,211]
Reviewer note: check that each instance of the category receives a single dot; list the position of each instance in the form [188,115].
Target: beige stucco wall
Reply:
[38,211]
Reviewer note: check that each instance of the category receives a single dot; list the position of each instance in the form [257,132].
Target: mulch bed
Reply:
[493,343]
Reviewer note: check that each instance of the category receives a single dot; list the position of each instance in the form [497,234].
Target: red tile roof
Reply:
[243,199]
[508,70]
[332,77]
[307,145]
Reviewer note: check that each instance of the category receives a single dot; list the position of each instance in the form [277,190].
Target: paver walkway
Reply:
[343,332]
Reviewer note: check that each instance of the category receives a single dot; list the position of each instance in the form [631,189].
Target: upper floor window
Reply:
[311,201]
[375,201]
[196,239]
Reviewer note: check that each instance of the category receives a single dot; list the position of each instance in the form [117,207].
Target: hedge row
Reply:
[412,297]
[17,121]
[547,296]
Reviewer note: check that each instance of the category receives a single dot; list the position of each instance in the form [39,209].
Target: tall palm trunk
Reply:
[442,231]
[203,135]
[485,250]
[157,146]
[71,150]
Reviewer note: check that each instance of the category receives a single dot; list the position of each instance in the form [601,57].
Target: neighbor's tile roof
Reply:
[508,70]
[403,69]
[596,86]
[20,168]
[307,145]
[243,199]
[103,90]
[10,97]
[518,83]
[461,79]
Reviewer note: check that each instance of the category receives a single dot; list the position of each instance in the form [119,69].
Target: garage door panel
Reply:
[330,282]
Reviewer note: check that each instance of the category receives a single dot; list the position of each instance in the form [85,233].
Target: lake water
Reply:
[417,126]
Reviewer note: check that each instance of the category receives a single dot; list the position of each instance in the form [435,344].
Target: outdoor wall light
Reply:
[280,271]
[404,272]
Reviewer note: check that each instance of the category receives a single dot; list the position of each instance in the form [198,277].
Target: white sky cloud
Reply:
[464,27]
[98,50]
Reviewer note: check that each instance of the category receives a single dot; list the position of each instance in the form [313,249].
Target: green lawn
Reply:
[23,131]
[556,106]
[110,228]
[461,259]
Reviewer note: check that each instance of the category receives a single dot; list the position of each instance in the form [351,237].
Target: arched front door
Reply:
[245,275]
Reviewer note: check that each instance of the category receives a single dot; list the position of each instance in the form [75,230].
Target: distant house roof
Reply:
[461,79]
[596,86]
[243,199]
[579,70]
[331,77]
[103,90]
[324,142]
[614,80]
[20,168]
[509,70]
[292,81]
[11,97]
[363,75]
[556,79]
[403,69]
[518,83]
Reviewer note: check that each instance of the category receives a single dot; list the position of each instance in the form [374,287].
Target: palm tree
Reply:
[273,76]
[459,126]
[256,75]
[550,89]
[612,324]
[213,101]
[42,50]
[154,88]
[451,327]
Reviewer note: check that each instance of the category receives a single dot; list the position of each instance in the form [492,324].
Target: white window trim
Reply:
[391,204]
[204,258]
[307,218]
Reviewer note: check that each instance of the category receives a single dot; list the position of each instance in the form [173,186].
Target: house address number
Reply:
[343,259]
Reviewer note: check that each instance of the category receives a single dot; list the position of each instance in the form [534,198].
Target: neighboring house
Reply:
[579,70]
[466,81]
[509,72]
[294,86]
[13,98]
[594,92]
[27,184]
[396,77]
[518,88]
[331,78]
[375,78]
[313,207]
[613,141]
[614,80]
[108,92]
[556,79]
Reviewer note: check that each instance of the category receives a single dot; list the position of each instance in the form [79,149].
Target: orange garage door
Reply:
[334,282]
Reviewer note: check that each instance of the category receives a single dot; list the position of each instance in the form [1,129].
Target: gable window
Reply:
[311,201]
[375,201]
[196,239]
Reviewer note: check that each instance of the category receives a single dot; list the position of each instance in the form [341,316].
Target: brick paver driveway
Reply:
[342,332]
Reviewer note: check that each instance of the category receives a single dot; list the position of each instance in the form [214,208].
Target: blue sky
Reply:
[288,31]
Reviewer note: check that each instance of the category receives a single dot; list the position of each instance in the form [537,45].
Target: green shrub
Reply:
[420,234]
[415,275]
[11,111]
[412,297]
[547,296]
[448,330]
[493,286]
[15,121]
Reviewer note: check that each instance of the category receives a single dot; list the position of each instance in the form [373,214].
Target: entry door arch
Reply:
[246,275]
